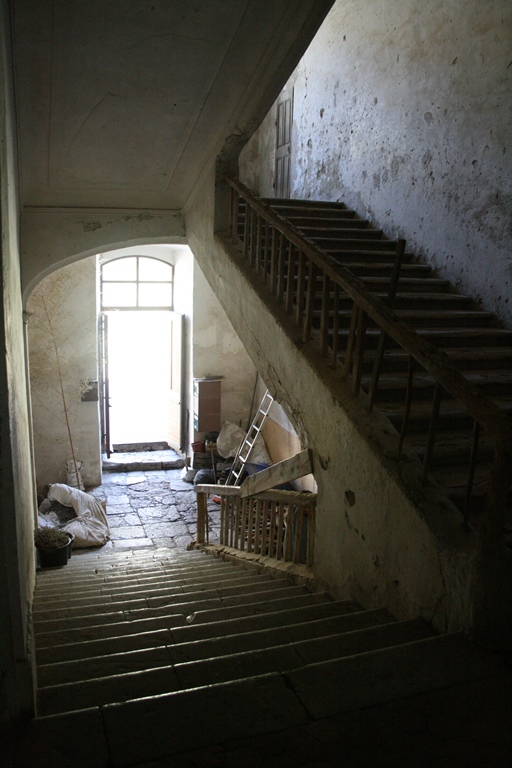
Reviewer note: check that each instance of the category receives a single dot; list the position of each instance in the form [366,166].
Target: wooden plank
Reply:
[289,469]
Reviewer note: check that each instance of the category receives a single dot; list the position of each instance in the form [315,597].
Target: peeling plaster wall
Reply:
[390,541]
[17,492]
[403,112]
[62,312]
[218,351]
[52,238]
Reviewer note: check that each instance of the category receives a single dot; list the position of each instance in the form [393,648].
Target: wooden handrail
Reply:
[299,498]
[432,359]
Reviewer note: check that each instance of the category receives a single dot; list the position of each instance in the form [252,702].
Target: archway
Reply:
[72,298]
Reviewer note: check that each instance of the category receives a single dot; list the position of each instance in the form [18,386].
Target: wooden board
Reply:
[283,472]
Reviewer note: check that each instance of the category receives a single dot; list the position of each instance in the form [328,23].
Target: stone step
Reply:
[384,267]
[161,588]
[305,207]
[174,603]
[103,625]
[451,447]
[233,666]
[335,234]
[125,586]
[407,283]
[291,655]
[122,581]
[150,633]
[189,650]
[311,226]
[465,358]
[446,338]
[138,731]
[419,318]
[367,254]
[410,300]
[340,245]
[489,382]
[79,574]
[453,414]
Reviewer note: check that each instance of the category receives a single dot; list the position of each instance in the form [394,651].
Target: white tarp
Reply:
[229,439]
[90,527]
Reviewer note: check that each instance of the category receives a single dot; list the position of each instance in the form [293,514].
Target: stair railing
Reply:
[301,275]
[276,524]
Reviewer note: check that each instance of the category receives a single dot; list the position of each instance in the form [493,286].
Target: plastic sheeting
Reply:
[229,440]
[90,527]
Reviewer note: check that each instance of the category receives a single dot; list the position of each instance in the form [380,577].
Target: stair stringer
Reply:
[392,540]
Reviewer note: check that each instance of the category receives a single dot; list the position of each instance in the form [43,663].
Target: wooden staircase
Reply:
[471,338]
[146,656]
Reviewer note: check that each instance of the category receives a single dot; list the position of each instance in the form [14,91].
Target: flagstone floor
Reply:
[151,508]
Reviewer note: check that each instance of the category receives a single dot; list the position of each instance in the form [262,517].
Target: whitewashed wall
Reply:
[66,299]
[218,351]
[403,110]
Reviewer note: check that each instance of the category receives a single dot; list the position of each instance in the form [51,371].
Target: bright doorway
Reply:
[141,354]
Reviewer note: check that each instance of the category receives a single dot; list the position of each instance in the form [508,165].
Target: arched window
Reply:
[137,282]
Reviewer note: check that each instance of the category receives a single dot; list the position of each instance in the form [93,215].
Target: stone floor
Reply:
[151,508]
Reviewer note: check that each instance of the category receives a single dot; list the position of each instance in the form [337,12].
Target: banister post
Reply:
[495,518]
[201,518]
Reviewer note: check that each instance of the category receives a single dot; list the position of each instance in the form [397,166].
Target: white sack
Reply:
[229,439]
[90,528]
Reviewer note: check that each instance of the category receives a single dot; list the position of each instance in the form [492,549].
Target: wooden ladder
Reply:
[247,444]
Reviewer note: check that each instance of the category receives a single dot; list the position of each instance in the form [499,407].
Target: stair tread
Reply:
[176,603]
[187,650]
[122,583]
[228,667]
[138,730]
[132,635]
[200,612]
[106,598]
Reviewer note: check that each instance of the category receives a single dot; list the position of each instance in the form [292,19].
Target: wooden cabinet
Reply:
[207,400]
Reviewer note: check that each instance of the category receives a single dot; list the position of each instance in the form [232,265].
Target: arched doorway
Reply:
[141,350]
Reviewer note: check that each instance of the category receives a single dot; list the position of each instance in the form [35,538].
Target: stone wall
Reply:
[402,111]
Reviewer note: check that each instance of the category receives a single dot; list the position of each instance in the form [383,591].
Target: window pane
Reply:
[120,269]
[155,295]
[119,295]
[152,269]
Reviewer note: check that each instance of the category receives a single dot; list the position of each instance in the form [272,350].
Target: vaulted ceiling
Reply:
[126,103]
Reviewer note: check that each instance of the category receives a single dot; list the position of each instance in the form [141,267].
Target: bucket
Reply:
[198,447]
[51,558]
